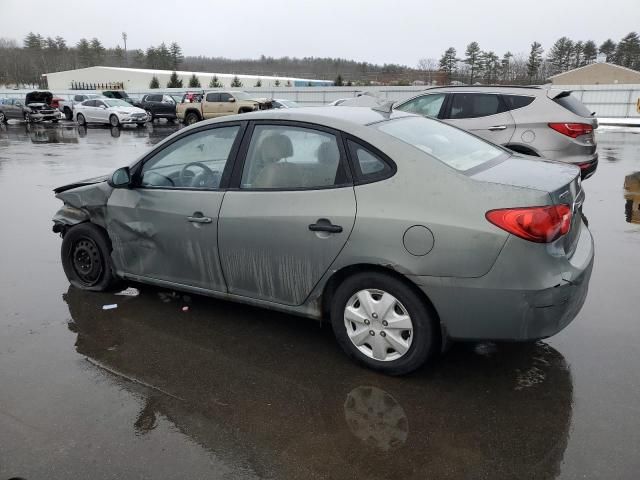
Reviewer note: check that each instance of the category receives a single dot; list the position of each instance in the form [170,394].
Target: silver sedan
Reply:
[401,230]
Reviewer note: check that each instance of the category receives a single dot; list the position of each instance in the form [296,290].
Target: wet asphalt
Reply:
[221,390]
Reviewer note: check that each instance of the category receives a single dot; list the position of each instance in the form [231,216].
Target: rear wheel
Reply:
[382,323]
[3,118]
[150,115]
[81,120]
[191,118]
[68,114]
[86,258]
[114,121]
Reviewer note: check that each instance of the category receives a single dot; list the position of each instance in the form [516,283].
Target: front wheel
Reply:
[86,258]
[68,114]
[81,120]
[114,121]
[383,323]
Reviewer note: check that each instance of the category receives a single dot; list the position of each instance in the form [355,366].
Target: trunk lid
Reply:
[560,180]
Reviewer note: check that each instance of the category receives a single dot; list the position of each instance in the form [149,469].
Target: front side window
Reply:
[154,98]
[287,157]
[89,103]
[474,105]
[194,161]
[427,105]
[98,103]
[450,145]
[225,97]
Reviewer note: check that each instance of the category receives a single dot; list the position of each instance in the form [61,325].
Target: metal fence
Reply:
[610,101]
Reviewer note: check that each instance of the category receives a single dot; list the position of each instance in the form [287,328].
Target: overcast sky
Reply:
[375,31]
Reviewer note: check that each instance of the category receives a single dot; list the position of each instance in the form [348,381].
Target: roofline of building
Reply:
[183,73]
[590,65]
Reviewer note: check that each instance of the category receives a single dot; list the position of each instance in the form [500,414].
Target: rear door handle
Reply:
[197,217]
[324,225]
[498,127]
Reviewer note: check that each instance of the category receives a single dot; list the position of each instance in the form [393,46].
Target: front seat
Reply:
[276,174]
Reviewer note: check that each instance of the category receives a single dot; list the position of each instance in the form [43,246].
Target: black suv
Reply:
[158,105]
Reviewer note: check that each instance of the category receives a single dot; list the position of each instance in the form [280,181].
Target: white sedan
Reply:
[109,110]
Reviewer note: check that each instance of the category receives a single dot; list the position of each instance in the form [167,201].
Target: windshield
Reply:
[117,103]
[241,95]
[289,103]
[450,145]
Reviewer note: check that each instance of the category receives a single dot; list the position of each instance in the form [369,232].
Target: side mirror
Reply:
[121,178]
[104,107]
[232,99]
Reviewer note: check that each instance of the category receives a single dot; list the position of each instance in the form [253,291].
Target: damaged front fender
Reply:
[86,202]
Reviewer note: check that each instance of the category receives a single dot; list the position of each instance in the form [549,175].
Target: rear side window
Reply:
[368,165]
[212,97]
[474,105]
[517,101]
[572,104]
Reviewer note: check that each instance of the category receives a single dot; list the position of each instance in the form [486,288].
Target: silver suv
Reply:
[547,123]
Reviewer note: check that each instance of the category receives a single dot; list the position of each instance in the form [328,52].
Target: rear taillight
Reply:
[536,224]
[572,130]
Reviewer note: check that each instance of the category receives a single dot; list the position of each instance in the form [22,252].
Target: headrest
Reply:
[276,146]
[328,153]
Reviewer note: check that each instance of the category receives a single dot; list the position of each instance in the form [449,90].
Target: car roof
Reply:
[511,89]
[330,116]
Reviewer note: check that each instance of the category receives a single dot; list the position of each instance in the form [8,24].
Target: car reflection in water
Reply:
[632,197]
[272,394]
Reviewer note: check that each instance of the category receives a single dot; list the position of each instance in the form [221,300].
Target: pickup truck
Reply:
[66,106]
[216,104]
[158,105]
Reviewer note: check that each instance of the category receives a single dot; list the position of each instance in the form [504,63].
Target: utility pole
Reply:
[124,39]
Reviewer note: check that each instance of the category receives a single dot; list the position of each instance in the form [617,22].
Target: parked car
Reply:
[38,107]
[546,123]
[284,103]
[66,106]
[158,105]
[118,94]
[217,104]
[453,236]
[11,108]
[109,110]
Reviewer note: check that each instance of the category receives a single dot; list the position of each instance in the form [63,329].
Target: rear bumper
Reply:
[511,303]
[588,168]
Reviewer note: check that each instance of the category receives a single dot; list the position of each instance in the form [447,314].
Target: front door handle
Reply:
[498,127]
[197,217]
[325,225]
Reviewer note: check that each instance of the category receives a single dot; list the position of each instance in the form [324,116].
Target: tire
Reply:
[150,115]
[191,118]
[414,345]
[114,121]
[140,125]
[81,120]
[55,120]
[68,114]
[27,118]
[3,118]
[86,258]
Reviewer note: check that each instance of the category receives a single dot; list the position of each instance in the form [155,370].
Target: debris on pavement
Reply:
[129,292]
[110,306]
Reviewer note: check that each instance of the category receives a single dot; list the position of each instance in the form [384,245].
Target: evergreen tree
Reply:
[449,62]
[174,81]
[175,52]
[97,51]
[561,54]
[505,66]
[215,83]
[628,51]
[491,65]
[83,49]
[165,61]
[535,60]
[578,55]
[236,83]
[155,83]
[258,83]
[338,82]
[276,83]
[473,59]
[608,48]
[33,41]
[589,52]
[194,82]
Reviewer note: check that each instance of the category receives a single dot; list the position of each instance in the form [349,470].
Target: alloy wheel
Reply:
[378,325]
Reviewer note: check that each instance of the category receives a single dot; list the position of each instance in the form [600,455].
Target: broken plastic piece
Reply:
[129,292]
[185,308]
[110,307]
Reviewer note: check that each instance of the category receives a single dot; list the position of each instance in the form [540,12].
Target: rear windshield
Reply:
[450,145]
[574,105]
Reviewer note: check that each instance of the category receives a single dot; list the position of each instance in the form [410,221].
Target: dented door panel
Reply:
[153,237]
[266,248]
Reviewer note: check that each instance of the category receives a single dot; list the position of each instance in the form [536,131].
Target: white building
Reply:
[140,78]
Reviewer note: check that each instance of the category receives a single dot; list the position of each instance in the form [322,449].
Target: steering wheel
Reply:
[187,180]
